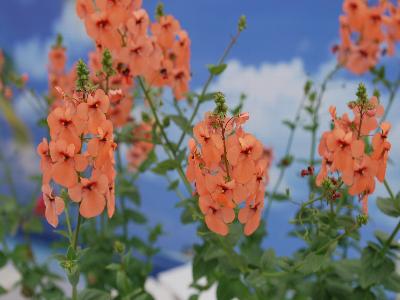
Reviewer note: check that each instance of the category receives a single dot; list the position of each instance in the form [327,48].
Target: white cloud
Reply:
[274,91]
[28,108]
[31,54]
[31,57]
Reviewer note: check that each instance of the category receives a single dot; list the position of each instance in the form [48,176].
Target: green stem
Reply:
[8,177]
[76,234]
[316,111]
[389,190]
[74,246]
[67,218]
[391,238]
[74,292]
[169,149]
[207,84]
[392,95]
[123,204]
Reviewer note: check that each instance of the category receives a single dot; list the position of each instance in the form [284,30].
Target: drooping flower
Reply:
[91,193]
[54,205]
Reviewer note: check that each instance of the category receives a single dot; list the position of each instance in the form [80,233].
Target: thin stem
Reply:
[8,177]
[67,219]
[169,149]
[391,238]
[389,190]
[207,84]
[225,155]
[123,204]
[76,234]
[287,152]
[74,292]
[392,95]
[316,111]
[74,246]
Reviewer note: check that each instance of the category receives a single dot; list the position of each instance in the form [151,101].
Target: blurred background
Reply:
[286,43]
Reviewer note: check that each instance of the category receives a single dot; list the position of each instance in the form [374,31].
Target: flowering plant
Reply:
[217,168]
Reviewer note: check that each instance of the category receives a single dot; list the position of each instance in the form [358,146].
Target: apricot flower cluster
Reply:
[159,51]
[141,146]
[364,29]
[345,149]
[79,156]
[228,169]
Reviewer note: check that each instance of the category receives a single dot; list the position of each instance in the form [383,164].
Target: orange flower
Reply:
[94,110]
[139,23]
[343,149]
[216,217]
[84,8]
[57,60]
[137,53]
[100,27]
[227,168]
[66,163]
[99,146]
[165,30]
[381,150]
[250,215]
[65,125]
[45,163]
[364,173]
[91,194]
[54,205]
[242,153]
[180,85]
[356,11]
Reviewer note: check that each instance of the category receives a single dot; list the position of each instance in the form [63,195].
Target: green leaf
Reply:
[173,185]
[135,216]
[127,189]
[93,294]
[231,289]
[187,216]
[313,263]
[114,267]
[389,206]
[163,167]
[151,158]
[289,124]
[375,268]
[33,225]
[3,259]
[3,290]
[207,97]
[123,282]
[216,69]
[155,233]
[182,123]
[62,232]
[268,258]
[392,283]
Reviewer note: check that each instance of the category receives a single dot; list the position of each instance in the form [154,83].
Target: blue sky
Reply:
[285,43]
